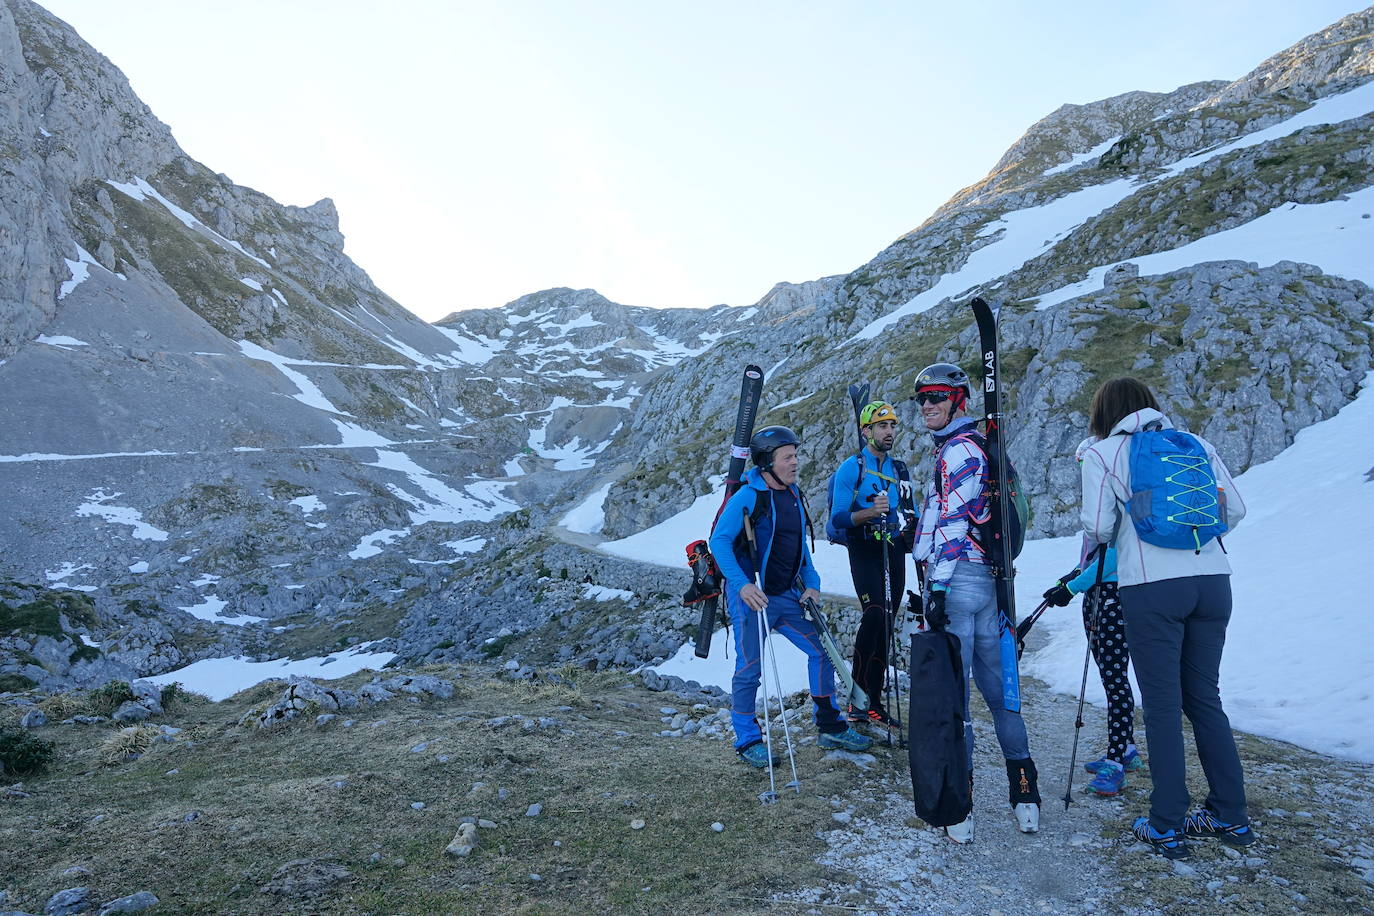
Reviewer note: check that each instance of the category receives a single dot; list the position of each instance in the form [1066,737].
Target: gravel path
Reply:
[1315,817]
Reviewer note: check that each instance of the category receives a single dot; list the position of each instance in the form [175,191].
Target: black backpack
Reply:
[941,784]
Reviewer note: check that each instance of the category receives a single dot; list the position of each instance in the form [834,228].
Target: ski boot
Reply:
[1204,825]
[1169,844]
[1109,779]
[847,740]
[1024,794]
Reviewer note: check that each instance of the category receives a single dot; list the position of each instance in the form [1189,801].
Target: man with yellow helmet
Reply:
[869,493]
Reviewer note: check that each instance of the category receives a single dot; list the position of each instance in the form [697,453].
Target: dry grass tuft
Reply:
[127,744]
[61,706]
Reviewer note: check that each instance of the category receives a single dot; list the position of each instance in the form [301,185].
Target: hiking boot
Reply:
[847,740]
[756,755]
[1027,817]
[1169,844]
[1109,779]
[1203,825]
[962,832]
[1132,762]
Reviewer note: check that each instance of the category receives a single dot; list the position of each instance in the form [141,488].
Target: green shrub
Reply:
[84,653]
[23,754]
[174,695]
[106,699]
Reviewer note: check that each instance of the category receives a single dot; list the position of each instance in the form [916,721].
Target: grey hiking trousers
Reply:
[1176,629]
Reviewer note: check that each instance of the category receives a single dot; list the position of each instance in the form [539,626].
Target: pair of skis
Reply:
[706,583]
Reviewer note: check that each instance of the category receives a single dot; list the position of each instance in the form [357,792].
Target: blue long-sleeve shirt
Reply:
[876,476]
[1088,578]
[736,567]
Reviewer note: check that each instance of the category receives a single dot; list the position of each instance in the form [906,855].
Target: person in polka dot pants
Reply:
[1105,627]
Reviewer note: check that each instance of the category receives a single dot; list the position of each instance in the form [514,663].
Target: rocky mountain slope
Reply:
[223,433]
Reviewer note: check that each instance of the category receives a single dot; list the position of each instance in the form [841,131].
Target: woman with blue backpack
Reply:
[1105,628]
[1163,497]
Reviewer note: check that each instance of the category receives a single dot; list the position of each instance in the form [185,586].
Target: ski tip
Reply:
[753,372]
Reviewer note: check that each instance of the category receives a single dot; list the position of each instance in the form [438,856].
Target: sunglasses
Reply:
[932,397]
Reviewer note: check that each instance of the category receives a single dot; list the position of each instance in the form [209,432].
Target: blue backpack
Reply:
[1174,497]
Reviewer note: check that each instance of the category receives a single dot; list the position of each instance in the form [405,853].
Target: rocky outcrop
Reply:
[1342,51]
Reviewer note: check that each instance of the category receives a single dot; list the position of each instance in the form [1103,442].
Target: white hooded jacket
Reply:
[1106,472]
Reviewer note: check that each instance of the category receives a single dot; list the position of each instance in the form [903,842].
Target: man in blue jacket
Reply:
[784,577]
[866,495]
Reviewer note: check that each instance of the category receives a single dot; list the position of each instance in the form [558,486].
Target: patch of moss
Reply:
[83,653]
[42,617]
[15,683]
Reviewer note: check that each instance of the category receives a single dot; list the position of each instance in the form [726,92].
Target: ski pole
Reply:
[795,784]
[1083,688]
[771,796]
[894,690]
[1024,627]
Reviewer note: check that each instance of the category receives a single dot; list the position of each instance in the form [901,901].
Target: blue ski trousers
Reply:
[784,614]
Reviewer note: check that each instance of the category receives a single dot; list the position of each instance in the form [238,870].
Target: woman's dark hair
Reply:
[1115,400]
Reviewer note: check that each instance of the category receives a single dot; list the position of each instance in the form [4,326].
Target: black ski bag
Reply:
[941,785]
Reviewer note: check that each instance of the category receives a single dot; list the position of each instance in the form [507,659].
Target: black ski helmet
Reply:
[768,440]
[945,375]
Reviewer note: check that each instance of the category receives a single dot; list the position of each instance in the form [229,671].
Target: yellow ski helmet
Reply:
[876,412]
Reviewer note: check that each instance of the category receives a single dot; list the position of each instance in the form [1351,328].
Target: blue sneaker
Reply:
[1169,844]
[756,755]
[1133,762]
[847,740]
[1203,825]
[1109,779]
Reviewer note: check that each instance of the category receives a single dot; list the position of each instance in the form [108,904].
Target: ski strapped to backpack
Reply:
[1175,501]
[1004,542]
[706,580]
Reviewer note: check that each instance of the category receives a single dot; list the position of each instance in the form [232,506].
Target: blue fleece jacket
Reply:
[735,564]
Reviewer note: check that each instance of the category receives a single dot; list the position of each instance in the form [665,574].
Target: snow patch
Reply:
[119,515]
[210,607]
[588,516]
[221,678]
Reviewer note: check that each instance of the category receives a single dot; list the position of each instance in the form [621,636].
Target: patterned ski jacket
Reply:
[1106,472]
[955,498]
[733,560]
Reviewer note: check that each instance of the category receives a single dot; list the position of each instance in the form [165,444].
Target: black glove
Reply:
[936,618]
[1059,596]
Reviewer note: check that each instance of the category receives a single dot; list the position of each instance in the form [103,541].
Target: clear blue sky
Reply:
[661,153]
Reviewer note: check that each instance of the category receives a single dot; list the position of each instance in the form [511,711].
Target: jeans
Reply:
[784,615]
[972,609]
[1176,629]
